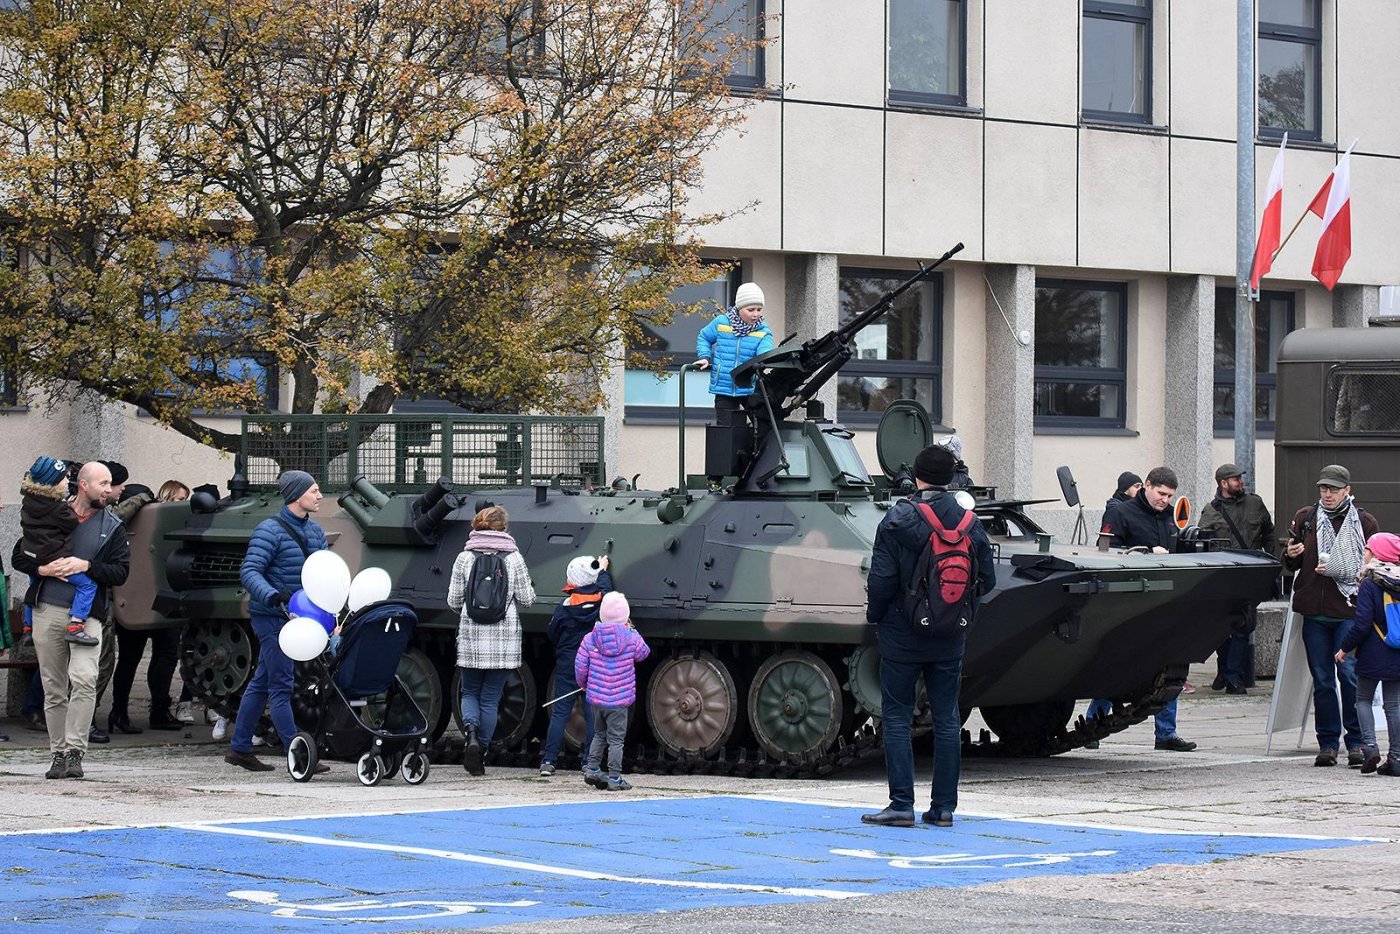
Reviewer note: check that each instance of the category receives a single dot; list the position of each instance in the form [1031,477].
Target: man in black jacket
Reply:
[906,654]
[68,670]
[1145,521]
[1239,519]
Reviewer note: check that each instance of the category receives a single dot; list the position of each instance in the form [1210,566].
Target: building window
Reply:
[1290,74]
[1273,319]
[900,356]
[741,19]
[1081,354]
[1117,67]
[9,386]
[671,346]
[514,34]
[927,46]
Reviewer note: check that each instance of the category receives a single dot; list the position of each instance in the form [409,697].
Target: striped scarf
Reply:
[1342,548]
[736,320]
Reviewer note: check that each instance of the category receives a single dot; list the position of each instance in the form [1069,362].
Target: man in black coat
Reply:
[905,653]
[1145,521]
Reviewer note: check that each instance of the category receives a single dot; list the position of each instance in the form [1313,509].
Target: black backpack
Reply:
[938,600]
[488,588]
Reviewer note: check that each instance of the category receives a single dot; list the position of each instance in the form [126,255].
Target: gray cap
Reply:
[1334,475]
[293,485]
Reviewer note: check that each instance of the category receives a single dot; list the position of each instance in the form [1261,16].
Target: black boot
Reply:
[119,722]
[161,717]
[472,753]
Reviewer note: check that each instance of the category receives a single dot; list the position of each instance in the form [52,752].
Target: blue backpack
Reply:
[1391,636]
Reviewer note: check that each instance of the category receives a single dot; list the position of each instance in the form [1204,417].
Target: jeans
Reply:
[481,699]
[270,686]
[1164,727]
[1231,658]
[609,729]
[897,685]
[1390,703]
[1322,638]
[564,683]
[84,592]
[1098,708]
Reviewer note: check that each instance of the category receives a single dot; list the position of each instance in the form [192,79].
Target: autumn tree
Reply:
[475,198]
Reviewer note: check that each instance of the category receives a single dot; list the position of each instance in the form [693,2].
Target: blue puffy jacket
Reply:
[725,350]
[1374,659]
[271,569]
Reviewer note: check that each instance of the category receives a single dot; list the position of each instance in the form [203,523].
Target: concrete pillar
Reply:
[1353,306]
[1010,381]
[612,389]
[1189,417]
[812,306]
[96,429]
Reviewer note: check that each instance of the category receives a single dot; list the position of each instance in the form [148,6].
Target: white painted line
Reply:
[520,865]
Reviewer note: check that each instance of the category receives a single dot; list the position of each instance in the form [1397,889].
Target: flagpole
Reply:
[1290,233]
[1244,241]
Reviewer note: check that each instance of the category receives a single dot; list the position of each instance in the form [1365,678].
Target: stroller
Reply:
[355,707]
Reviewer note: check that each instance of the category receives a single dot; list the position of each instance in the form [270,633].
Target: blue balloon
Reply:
[301,605]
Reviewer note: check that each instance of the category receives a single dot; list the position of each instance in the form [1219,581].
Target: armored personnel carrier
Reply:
[752,597]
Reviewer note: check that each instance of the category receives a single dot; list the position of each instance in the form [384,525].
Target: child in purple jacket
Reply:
[606,666]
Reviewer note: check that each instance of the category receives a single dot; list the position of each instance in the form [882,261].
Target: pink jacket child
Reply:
[608,656]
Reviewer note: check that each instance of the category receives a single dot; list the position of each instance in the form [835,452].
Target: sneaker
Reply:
[220,727]
[617,783]
[184,712]
[246,760]
[1174,744]
[938,818]
[596,778]
[1372,761]
[1092,744]
[1326,758]
[1356,758]
[258,740]
[1188,688]
[59,767]
[78,636]
[546,769]
[75,763]
[1389,767]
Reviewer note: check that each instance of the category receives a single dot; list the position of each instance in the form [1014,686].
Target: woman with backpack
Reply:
[1376,641]
[489,584]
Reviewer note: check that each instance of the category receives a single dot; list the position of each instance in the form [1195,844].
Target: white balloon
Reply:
[326,580]
[964,499]
[369,586]
[302,639]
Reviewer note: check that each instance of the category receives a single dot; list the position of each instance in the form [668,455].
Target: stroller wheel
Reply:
[301,757]
[391,765]
[370,769]
[415,768]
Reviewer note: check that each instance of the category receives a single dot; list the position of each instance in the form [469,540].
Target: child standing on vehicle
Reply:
[607,668]
[47,524]
[1377,662]
[586,581]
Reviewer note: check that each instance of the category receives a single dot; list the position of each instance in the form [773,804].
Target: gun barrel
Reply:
[369,492]
[886,301]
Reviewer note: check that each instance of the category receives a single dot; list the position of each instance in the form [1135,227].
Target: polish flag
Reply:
[1334,246]
[1272,224]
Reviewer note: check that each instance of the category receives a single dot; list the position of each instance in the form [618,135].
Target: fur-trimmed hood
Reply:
[58,491]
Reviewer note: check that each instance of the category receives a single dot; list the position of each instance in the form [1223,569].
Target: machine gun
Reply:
[786,378]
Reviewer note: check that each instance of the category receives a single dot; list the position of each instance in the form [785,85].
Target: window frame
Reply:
[1262,380]
[1120,13]
[931,370]
[900,96]
[699,407]
[1102,375]
[739,81]
[1299,35]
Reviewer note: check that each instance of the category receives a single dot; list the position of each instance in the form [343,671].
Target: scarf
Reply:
[490,540]
[736,320]
[1343,549]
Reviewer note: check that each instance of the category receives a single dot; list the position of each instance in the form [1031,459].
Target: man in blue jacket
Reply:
[732,339]
[271,573]
[906,654]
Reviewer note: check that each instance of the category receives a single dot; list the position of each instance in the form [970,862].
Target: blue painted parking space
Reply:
[466,869]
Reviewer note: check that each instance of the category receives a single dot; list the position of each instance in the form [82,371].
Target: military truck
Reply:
[752,596]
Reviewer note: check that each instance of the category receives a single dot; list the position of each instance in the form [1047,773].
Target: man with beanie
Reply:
[99,549]
[1145,521]
[271,573]
[1128,485]
[1326,540]
[730,340]
[586,582]
[1238,519]
[905,655]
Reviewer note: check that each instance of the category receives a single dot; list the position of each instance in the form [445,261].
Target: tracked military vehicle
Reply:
[752,597]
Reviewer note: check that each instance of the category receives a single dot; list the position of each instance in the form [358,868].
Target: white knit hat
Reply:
[749,294]
[582,571]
